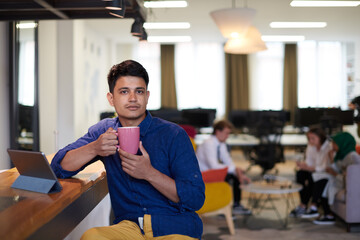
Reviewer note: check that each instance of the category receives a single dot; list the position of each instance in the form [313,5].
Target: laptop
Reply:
[35,172]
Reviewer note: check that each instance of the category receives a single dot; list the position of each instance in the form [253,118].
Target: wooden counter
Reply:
[30,215]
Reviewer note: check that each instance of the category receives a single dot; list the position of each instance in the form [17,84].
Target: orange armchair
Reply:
[218,196]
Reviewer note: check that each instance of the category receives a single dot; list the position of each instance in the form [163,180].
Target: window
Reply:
[266,78]
[148,54]
[200,77]
[321,75]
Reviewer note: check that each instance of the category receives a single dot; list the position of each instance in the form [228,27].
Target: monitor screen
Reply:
[199,117]
[305,117]
[239,118]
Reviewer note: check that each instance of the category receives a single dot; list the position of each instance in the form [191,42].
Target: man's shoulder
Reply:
[104,124]
[162,123]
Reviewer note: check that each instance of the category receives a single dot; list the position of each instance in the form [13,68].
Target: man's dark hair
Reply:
[126,68]
[220,125]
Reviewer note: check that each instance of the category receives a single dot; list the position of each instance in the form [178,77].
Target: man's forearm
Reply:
[164,184]
[77,158]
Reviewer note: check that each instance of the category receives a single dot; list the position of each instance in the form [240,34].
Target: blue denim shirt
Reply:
[171,153]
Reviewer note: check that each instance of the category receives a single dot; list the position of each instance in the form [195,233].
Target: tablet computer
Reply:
[35,172]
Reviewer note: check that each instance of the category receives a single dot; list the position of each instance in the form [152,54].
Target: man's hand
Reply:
[105,145]
[244,179]
[242,176]
[140,167]
[137,166]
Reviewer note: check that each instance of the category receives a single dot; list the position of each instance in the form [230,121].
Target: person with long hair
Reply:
[317,158]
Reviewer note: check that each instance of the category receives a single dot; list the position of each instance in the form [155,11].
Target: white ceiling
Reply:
[342,23]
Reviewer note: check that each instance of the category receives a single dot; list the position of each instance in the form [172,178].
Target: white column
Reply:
[65,76]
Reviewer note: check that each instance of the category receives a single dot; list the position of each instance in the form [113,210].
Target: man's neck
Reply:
[131,122]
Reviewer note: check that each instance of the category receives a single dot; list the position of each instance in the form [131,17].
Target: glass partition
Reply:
[24,84]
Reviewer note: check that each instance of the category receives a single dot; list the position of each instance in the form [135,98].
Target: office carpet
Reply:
[266,224]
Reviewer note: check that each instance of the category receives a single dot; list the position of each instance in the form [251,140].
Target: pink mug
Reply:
[129,138]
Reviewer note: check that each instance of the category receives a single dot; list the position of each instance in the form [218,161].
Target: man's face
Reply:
[223,135]
[129,99]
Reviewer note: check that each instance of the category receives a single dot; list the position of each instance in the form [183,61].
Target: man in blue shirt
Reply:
[155,193]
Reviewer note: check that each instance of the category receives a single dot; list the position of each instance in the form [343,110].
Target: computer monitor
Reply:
[199,117]
[305,117]
[239,118]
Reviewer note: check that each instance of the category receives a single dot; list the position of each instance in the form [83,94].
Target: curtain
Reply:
[237,82]
[290,101]
[168,90]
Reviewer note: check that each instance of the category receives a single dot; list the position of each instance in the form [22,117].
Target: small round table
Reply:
[269,188]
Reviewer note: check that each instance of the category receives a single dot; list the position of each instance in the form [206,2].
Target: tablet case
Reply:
[35,172]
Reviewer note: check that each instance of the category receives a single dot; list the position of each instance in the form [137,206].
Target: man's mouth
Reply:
[133,108]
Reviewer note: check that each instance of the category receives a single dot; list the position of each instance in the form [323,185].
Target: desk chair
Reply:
[269,151]
[218,196]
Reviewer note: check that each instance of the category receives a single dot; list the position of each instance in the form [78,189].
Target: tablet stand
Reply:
[34,184]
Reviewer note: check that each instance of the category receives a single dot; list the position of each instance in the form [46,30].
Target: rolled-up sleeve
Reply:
[185,170]
[93,133]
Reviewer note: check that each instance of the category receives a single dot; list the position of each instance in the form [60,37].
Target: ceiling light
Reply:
[306,3]
[136,27]
[169,39]
[283,38]
[166,25]
[298,24]
[232,21]
[115,4]
[26,25]
[249,43]
[235,24]
[165,4]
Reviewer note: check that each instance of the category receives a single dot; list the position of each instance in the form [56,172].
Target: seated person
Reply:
[155,192]
[317,158]
[355,105]
[344,146]
[213,154]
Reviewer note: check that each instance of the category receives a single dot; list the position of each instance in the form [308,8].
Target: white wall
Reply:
[4,96]
[90,77]
[73,65]
[48,86]
[65,78]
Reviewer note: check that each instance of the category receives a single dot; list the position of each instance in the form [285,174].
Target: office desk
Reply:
[246,140]
[30,215]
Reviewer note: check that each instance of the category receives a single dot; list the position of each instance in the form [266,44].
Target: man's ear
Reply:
[110,98]
[147,96]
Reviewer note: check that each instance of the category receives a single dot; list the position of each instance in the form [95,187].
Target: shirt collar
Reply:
[216,140]
[144,125]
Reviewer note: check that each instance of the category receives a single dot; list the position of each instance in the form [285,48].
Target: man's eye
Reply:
[123,91]
[140,91]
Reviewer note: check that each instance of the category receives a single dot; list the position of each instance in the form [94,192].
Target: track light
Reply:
[115,4]
[119,13]
[143,36]
[137,27]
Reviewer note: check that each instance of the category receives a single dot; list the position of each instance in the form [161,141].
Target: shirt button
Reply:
[144,209]
[195,175]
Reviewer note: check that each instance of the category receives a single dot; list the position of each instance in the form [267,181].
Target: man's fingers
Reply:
[142,149]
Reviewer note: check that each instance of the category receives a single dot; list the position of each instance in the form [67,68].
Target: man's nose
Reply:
[132,96]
